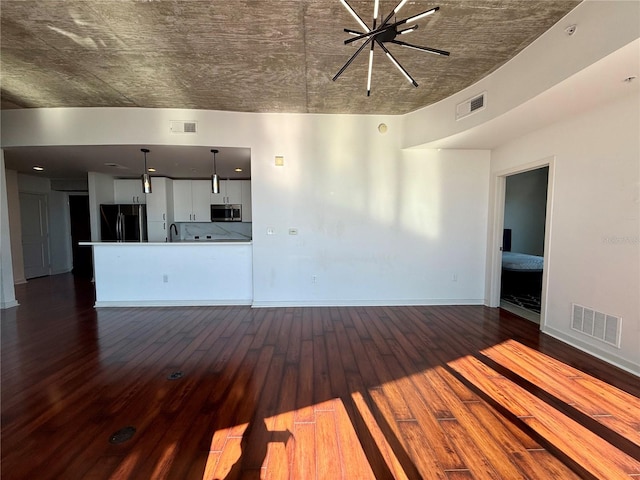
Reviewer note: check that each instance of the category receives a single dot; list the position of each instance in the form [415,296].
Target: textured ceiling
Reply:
[250,55]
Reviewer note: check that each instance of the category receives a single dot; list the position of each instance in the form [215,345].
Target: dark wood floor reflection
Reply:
[451,392]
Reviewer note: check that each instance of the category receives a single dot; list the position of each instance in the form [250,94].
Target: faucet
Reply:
[172,229]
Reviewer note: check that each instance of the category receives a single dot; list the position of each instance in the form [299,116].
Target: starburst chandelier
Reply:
[383,34]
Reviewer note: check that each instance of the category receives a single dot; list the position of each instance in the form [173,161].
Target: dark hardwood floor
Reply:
[450,392]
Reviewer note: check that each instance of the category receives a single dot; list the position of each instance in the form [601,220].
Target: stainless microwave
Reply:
[226,213]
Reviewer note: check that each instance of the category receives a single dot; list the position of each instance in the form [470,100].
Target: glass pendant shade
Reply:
[146,179]
[215,181]
[146,183]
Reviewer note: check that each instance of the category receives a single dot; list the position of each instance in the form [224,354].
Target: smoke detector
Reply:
[571,29]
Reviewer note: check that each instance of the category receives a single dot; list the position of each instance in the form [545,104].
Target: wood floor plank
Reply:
[354,460]
[329,461]
[304,397]
[304,456]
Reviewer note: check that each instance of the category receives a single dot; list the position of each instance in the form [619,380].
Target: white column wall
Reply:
[7,291]
[15,226]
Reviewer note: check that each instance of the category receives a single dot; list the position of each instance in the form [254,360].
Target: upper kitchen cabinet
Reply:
[192,200]
[230,193]
[128,191]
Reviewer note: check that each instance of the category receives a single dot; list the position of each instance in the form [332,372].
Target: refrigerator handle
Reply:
[123,230]
[118,228]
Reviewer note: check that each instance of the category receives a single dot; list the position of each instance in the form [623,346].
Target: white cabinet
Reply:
[158,231]
[246,200]
[128,191]
[192,200]
[159,209]
[160,200]
[230,193]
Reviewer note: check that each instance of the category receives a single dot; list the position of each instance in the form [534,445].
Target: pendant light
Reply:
[146,179]
[215,181]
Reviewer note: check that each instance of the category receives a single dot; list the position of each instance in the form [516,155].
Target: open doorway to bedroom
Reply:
[523,242]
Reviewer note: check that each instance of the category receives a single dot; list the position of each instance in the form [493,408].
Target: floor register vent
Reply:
[470,106]
[597,324]
[182,126]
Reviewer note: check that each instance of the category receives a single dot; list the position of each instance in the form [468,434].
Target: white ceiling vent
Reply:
[470,106]
[183,126]
[597,324]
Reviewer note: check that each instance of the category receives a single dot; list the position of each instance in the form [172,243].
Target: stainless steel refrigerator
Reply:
[123,223]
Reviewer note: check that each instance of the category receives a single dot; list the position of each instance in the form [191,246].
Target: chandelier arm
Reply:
[394,12]
[370,69]
[355,15]
[344,67]
[385,26]
[418,47]
[397,64]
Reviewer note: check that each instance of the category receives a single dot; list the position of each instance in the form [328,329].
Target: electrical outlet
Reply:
[314,279]
[270,231]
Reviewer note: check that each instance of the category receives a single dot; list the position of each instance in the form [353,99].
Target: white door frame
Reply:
[495,242]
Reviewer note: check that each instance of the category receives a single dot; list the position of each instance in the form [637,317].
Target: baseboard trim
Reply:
[366,303]
[9,304]
[594,351]
[171,303]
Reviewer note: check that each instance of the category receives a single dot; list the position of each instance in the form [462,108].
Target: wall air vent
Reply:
[602,326]
[470,106]
[183,126]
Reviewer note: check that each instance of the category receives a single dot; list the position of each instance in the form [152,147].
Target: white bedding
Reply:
[522,262]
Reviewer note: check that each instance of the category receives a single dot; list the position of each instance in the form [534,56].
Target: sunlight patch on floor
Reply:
[318,441]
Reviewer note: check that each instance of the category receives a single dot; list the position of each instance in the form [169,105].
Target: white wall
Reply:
[375,224]
[594,242]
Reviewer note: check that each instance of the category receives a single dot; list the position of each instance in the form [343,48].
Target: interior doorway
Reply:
[523,244]
[35,234]
[80,232]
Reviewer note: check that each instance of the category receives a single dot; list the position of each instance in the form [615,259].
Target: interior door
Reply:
[80,232]
[35,234]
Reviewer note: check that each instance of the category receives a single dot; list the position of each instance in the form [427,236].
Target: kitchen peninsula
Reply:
[172,274]
[184,256]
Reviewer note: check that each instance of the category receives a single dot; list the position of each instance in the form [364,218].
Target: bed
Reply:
[521,273]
